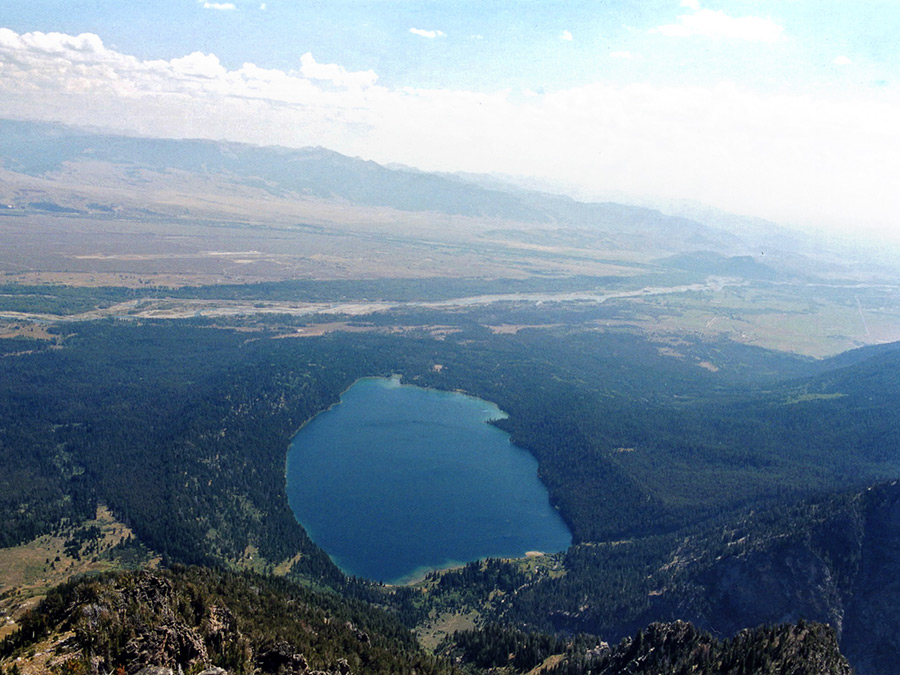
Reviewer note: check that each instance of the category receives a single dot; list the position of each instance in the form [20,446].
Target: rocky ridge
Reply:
[199,620]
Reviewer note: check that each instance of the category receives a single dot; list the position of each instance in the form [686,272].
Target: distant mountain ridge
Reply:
[37,149]
[707,262]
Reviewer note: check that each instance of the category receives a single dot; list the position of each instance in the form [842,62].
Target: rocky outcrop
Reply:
[679,647]
[783,584]
[281,658]
[143,624]
[872,595]
[193,620]
[836,561]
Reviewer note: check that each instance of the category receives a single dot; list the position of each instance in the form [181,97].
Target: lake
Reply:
[397,480]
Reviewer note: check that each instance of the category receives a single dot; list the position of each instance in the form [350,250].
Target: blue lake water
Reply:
[397,480]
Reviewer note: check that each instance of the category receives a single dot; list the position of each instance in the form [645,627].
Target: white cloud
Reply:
[788,157]
[427,33]
[691,4]
[335,74]
[199,65]
[222,6]
[566,35]
[262,6]
[76,47]
[717,24]
[842,61]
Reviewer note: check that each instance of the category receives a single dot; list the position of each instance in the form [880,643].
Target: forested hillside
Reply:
[660,648]
[181,429]
[831,560]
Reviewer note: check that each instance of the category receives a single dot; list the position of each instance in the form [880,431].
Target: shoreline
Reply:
[419,574]
[399,378]
[490,412]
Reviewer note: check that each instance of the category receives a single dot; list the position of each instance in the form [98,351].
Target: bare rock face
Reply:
[162,670]
[678,647]
[784,585]
[155,670]
[362,636]
[281,658]
[836,562]
[143,625]
[870,635]
[173,644]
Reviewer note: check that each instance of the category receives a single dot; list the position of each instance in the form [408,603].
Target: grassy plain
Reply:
[29,570]
[805,319]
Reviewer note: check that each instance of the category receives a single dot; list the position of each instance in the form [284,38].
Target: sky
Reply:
[783,109]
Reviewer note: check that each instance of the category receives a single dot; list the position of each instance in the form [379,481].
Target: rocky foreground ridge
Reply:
[200,621]
[193,620]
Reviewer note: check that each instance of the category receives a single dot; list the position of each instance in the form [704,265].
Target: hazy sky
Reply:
[785,109]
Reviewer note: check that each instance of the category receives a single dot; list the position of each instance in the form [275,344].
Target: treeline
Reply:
[59,299]
[63,300]
[18,345]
